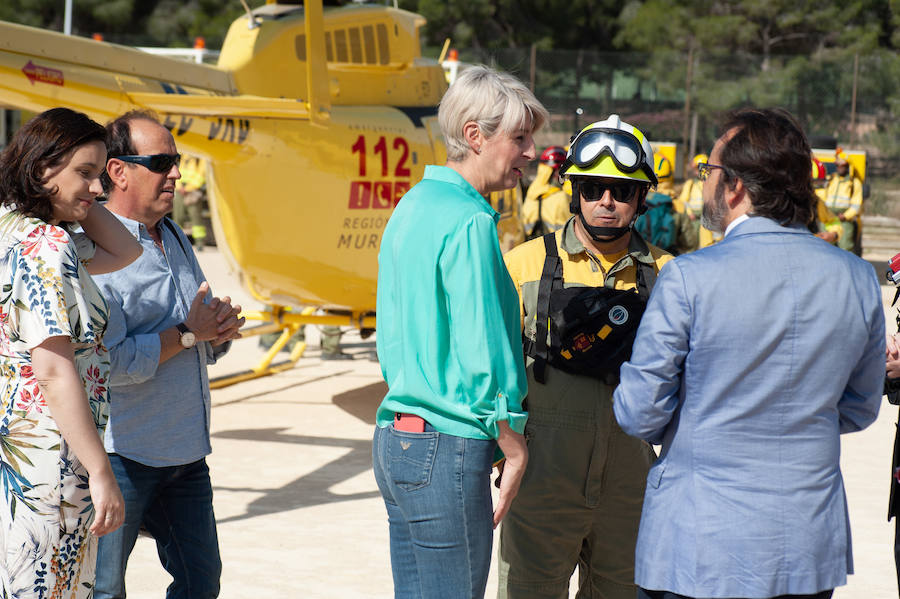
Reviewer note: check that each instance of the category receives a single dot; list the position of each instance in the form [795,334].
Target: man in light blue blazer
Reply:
[753,356]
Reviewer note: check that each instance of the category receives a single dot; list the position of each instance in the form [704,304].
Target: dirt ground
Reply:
[298,510]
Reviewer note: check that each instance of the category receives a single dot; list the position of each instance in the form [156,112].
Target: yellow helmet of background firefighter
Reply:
[662,167]
[610,148]
[699,158]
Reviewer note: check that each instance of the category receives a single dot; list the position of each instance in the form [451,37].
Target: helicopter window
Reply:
[300,47]
[384,53]
[340,45]
[369,40]
[329,54]
[355,45]
[368,46]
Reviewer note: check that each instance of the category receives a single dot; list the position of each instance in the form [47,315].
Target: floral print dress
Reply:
[46,550]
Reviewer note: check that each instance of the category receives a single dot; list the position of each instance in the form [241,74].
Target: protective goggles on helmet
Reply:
[593,191]
[158,163]
[623,148]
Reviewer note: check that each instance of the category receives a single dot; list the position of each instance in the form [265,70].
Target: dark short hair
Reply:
[43,142]
[770,154]
[118,138]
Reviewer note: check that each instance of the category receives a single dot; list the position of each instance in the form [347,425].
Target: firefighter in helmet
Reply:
[844,197]
[827,225]
[662,224]
[576,503]
[546,206]
[190,196]
[690,200]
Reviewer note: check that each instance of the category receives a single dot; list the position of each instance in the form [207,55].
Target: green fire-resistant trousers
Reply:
[581,496]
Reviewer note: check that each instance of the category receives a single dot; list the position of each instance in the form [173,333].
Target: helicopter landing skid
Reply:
[281,318]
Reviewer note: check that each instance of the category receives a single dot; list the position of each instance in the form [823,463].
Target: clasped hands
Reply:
[215,321]
[892,355]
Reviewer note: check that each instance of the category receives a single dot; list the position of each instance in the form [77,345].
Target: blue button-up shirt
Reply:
[449,339]
[159,413]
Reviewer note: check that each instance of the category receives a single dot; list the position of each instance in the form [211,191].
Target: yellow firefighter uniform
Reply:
[546,206]
[690,201]
[691,197]
[827,221]
[843,196]
[585,480]
[190,190]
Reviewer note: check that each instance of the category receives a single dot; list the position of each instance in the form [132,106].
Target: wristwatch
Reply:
[188,339]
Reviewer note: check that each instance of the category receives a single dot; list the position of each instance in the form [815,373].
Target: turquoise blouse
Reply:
[449,336]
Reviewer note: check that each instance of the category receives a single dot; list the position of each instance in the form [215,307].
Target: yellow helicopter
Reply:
[314,123]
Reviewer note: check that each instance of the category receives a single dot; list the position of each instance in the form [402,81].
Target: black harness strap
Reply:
[539,227]
[646,279]
[551,280]
[548,280]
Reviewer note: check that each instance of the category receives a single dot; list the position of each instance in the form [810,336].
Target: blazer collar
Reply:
[762,224]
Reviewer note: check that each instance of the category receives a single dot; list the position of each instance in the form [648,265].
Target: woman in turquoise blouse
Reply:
[449,342]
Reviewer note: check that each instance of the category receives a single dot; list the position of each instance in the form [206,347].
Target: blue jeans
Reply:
[437,490]
[174,503]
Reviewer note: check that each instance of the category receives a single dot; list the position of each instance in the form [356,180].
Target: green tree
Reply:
[790,53]
[493,24]
[133,22]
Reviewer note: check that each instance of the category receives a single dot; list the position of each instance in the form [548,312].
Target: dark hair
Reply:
[770,155]
[42,143]
[118,138]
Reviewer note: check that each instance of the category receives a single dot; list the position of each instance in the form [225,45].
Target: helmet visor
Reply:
[624,149]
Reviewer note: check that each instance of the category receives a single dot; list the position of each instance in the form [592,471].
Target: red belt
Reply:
[409,423]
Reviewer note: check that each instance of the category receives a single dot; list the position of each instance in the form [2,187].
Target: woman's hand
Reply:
[109,507]
[513,446]
[53,362]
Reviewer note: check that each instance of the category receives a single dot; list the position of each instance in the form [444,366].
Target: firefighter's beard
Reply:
[714,213]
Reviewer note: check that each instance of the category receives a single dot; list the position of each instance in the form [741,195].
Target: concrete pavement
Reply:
[298,510]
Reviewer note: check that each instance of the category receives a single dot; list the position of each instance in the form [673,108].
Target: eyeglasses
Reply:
[704,169]
[624,148]
[158,163]
[593,191]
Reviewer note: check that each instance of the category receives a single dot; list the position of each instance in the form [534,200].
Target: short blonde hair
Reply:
[495,101]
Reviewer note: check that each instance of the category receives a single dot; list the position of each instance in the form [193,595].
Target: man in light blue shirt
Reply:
[754,355]
[163,330]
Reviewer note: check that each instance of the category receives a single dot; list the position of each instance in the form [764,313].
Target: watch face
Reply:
[188,339]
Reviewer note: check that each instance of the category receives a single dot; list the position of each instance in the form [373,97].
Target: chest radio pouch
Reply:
[591,329]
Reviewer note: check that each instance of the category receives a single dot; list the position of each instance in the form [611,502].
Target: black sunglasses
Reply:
[593,191]
[158,163]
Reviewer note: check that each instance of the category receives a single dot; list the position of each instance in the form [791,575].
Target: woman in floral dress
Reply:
[58,490]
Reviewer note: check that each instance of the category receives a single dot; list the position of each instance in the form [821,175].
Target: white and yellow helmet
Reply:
[610,148]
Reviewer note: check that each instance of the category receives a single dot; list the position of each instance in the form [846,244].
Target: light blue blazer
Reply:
[753,356]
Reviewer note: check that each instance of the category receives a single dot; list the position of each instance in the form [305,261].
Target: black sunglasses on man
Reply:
[158,163]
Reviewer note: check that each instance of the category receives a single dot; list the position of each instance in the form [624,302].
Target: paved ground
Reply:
[298,510]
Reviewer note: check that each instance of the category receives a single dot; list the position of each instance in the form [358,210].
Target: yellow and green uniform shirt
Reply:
[580,267]
[843,195]
[691,197]
[544,198]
